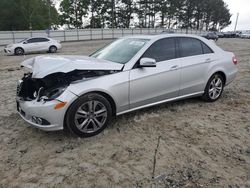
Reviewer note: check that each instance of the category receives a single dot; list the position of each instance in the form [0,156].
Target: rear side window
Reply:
[206,49]
[43,40]
[190,47]
[162,50]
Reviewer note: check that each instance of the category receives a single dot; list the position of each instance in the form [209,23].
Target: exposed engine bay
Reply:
[51,86]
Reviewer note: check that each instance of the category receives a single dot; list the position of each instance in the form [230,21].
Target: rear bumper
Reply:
[231,76]
[59,46]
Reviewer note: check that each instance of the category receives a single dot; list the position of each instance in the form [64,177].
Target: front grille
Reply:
[19,87]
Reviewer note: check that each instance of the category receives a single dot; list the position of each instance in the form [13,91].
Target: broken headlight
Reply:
[54,93]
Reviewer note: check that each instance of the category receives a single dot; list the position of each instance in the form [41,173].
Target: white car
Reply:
[245,35]
[34,44]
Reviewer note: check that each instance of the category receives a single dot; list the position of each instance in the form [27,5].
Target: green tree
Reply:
[124,13]
[170,11]
[73,12]
[27,14]
[204,14]
[187,14]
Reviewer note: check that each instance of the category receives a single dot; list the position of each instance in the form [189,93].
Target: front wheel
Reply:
[88,115]
[19,51]
[214,88]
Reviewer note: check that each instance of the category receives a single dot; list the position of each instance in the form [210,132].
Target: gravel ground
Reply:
[188,143]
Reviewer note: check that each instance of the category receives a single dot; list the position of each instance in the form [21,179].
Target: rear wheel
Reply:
[89,115]
[19,51]
[52,49]
[214,88]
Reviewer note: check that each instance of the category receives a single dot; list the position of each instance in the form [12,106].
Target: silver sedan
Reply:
[84,93]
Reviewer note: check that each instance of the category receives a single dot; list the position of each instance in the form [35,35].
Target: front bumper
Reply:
[52,119]
[231,76]
[8,51]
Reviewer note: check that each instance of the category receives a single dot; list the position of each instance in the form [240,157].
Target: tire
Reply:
[19,51]
[88,115]
[52,49]
[214,88]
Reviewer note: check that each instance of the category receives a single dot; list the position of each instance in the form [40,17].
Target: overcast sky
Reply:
[243,8]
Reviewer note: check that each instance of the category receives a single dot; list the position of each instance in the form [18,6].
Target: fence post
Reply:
[77,33]
[13,37]
[155,30]
[31,35]
[148,30]
[102,33]
[122,32]
[140,30]
[113,33]
[132,31]
[91,37]
[64,35]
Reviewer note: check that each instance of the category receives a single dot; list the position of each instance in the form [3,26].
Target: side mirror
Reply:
[147,62]
[25,42]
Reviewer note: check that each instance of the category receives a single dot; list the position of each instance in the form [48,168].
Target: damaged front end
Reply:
[43,96]
[52,86]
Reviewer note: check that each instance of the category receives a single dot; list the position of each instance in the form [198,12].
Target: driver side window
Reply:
[162,50]
[32,40]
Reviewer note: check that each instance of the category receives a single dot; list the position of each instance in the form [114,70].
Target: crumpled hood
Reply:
[44,65]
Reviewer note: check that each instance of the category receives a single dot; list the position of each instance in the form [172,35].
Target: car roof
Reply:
[156,37]
[162,35]
[38,37]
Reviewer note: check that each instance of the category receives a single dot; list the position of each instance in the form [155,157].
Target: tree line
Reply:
[42,14]
[27,14]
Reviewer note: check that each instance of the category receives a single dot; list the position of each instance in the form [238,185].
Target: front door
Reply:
[154,84]
[32,45]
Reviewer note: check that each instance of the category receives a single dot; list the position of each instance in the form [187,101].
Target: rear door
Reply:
[153,84]
[195,57]
[43,44]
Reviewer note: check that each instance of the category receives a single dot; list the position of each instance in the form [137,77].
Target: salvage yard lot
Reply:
[198,144]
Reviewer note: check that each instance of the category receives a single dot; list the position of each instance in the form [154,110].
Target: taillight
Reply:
[235,61]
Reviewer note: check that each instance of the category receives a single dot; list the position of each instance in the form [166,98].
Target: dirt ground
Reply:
[191,143]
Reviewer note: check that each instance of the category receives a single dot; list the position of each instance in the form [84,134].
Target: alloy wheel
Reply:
[19,51]
[215,88]
[91,116]
[52,49]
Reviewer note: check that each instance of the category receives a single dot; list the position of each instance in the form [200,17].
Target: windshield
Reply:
[121,50]
[23,40]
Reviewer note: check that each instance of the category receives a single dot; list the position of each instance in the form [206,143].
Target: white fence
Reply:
[8,37]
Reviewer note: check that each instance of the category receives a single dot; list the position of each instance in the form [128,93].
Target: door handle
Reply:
[208,60]
[175,67]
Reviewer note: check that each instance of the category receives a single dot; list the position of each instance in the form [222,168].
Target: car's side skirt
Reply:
[163,101]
